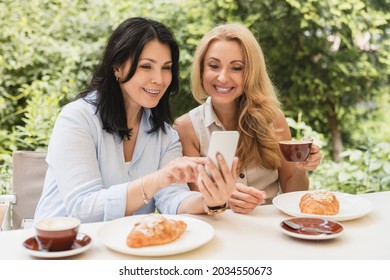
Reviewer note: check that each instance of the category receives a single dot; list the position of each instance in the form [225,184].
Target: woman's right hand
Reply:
[182,170]
[217,189]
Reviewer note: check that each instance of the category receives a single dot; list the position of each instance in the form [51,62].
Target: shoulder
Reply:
[79,112]
[78,106]
[183,123]
[280,119]
[281,125]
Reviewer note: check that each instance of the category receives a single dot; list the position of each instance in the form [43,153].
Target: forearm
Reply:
[193,204]
[140,191]
[299,181]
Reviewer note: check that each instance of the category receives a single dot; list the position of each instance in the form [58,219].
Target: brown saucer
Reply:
[334,228]
[81,244]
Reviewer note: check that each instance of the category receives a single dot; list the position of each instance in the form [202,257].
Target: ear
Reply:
[117,72]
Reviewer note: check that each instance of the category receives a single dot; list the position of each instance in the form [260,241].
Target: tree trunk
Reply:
[337,142]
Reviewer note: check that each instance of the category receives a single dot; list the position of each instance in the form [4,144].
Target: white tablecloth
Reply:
[251,237]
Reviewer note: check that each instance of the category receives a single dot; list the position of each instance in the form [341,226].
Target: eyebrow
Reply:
[233,61]
[154,61]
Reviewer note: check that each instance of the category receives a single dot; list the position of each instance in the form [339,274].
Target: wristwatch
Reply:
[216,209]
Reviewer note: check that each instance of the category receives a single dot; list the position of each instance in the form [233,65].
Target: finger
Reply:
[191,171]
[240,210]
[179,175]
[222,164]
[198,160]
[214,171]
[313,157]
[188,169]
[314,148]
[234,168]
[242,204]
[213,194]
[307,166]
[226,174]
[240,207]
[241,188]
[205,184]
[200,182]
[248,198]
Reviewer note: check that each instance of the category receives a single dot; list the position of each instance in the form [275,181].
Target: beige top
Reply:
[205,121]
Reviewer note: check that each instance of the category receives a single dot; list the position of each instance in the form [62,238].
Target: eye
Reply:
[213,66]
[167,68]
[237,68]
[145,66]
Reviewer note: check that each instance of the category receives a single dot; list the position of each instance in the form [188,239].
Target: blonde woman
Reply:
[229,79]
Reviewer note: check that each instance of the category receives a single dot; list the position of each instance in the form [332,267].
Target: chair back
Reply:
[4,221]
[28,176]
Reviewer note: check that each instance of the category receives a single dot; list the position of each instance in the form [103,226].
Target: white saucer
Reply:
[351,206]
[114,234]
[82,243]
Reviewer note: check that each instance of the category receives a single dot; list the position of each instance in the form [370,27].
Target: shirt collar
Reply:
[211,117]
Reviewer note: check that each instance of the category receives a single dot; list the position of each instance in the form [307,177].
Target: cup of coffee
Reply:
[57,233]
[295,150]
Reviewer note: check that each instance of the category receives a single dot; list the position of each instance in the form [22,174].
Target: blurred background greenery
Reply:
[330,61]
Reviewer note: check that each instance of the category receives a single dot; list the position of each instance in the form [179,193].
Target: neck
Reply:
[134,119]
[227,115]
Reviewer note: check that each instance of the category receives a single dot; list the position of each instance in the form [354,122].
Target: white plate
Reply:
[351,206]
[113,234]
[334,227]
[82,243]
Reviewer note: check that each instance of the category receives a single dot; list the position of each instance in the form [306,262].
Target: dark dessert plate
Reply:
[311,228]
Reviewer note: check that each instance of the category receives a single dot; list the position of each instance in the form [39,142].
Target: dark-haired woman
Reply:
[113,152]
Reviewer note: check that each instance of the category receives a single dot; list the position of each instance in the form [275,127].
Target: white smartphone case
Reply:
[225,143]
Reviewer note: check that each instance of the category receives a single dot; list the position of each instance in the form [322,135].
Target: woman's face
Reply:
[223,73]
[152,77]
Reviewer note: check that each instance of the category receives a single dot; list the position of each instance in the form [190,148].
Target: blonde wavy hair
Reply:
[258,106]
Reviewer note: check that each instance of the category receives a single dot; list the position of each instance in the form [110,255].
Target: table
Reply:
[254,236]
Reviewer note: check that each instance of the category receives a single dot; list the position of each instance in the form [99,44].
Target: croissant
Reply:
[153,230]
[320,202]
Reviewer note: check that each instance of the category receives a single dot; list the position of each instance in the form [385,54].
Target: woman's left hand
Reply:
[313,160]
[216,190]
[244,199]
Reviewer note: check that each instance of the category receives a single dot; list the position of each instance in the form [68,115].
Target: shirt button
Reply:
[242,175]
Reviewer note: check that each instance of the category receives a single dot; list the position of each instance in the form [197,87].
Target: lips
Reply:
[152,91]
[223,89]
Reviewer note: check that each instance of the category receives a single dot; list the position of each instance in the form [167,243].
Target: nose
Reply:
[223,76]
[157,77]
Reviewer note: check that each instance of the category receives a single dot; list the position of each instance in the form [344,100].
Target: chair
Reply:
[28,175]
[4,221]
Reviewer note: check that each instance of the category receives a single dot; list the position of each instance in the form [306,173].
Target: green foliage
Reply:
[362,170]
[47,52]
[326,57]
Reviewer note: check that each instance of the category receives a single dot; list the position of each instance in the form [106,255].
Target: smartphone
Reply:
[225,143]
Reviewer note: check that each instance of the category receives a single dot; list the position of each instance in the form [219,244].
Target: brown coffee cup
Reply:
[295,150]
[57,233]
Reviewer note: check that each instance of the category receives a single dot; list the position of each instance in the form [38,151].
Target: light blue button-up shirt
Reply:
[87,176]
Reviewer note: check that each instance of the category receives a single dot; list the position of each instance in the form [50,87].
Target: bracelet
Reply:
[146,200]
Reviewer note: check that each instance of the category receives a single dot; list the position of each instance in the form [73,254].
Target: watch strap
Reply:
[216,209]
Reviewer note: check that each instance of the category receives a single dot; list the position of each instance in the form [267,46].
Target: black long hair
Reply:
[127,41]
